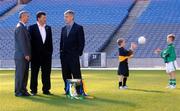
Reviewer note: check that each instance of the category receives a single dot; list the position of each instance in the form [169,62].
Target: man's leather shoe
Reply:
[47,93]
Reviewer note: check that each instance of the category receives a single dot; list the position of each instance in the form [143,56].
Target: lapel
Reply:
[25,29]
[46,29]
[65,32]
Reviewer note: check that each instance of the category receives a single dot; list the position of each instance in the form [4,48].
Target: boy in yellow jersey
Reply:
[124,55]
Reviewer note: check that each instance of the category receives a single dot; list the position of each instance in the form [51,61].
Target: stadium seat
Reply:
[99,19]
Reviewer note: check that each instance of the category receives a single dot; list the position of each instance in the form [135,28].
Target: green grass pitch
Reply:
[146,92]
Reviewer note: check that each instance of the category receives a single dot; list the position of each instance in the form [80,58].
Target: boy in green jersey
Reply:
[169,57]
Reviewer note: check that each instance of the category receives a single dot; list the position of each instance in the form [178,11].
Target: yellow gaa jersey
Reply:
[124,54]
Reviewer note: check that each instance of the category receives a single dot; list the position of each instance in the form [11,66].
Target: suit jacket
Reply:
[22,42]
[72,44]
[39,49]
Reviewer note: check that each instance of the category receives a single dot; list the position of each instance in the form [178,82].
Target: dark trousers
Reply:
[45,65]
[70,67]
[21,75]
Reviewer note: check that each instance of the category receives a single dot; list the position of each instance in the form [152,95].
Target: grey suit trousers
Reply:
[21,75]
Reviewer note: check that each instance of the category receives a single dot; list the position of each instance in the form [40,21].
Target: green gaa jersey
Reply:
[169,53]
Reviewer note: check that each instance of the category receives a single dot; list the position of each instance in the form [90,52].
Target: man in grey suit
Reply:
[22,55]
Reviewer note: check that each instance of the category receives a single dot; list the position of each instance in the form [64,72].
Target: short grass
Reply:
[146,92]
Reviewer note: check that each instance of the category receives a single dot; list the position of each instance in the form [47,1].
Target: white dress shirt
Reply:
[42,31]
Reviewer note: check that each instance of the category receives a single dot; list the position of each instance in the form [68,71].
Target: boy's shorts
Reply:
[171,66]
[123,69]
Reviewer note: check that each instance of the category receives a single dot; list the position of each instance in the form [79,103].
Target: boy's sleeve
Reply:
[166,52]
[125,52]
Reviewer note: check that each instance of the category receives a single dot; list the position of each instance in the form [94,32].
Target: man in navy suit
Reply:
[42,48]
[71,47]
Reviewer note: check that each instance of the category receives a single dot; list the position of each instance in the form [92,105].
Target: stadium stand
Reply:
[6,5]
[159,19]
[100,19]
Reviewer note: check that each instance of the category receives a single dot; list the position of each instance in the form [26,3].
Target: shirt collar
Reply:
[40,25]
[22,23]
[170,44]
[71,24]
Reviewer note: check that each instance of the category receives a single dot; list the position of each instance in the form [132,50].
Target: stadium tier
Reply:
[160,18]
[100,19]
[6,5]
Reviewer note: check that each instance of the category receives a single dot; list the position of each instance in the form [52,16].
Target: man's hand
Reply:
[157,51]
[27,58]
[133,46]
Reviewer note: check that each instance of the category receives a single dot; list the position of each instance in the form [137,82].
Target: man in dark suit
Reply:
[22,55]
[42,48]
[71,47]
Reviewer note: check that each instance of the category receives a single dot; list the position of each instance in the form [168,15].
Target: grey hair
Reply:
[21,13]
[71,12]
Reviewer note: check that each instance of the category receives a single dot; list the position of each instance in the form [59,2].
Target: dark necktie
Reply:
[68,28]
[26,27]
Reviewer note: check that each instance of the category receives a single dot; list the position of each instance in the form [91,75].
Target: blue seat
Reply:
[99,19]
